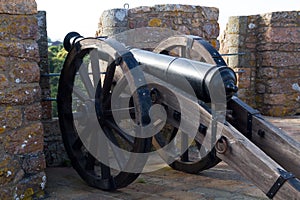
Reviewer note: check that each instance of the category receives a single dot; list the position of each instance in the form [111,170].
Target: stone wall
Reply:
[160,20]
[22,161]
[266,72]
[54,151]
[271,64]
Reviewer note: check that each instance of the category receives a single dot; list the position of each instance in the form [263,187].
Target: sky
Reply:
[64,16]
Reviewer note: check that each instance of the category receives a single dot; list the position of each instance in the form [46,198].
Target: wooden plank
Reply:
[277,144]
[246,158]
[273,141]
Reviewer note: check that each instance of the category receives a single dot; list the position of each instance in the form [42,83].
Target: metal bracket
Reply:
[284,176]
[202,129]
[249,123]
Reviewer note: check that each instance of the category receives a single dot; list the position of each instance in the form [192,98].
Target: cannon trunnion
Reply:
[118,106]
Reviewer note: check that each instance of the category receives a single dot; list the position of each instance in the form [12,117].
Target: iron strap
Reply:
[284,176]
[250,115]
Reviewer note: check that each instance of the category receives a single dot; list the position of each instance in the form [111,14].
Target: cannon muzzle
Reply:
[70,39]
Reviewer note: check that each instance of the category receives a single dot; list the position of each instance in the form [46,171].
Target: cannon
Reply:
[119,106]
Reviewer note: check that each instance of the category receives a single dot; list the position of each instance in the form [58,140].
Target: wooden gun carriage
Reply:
[177,101]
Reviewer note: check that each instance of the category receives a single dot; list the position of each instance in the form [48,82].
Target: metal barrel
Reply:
[207,80]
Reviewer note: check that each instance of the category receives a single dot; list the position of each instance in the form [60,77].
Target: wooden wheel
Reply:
[91,137]
[196,158]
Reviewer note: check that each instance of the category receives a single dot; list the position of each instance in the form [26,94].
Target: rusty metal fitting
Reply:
[221,145]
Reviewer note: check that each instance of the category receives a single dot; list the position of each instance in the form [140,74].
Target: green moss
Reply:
[141,180]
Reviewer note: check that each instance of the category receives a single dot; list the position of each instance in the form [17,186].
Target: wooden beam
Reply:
[246,158]
[273,141]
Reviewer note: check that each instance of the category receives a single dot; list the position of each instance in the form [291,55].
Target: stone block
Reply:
[183,30]
[46,110]
[251,38]
[233,40]
[260,88]
[18,7]
[6,192]
[25,72]
[282,35]
[114,18]
[20,94]
[284,18]
[28,139]
[31,187]
[275,86]
[34,163]
[10,118]
[175,8]
[289,47]
[22,27]
[275,99]
[198,32]
[263,46]
[244,78]
[237,25]
[250,45]
[33,112]
[9,167]
[267,72]
[212,30]
[289,73]
[20,49]
[140,9]
[279,59]
[4,64]
[3,82]
[274,110]
[210,13]
[196,23]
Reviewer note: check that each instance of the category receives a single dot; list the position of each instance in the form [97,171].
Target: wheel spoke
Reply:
[119,157]
[129,139]
[105,171]
[84,75]
[120,111]
[90,162]
[184,145]
[108,81]
[95,66]
[80,94]
[183,52]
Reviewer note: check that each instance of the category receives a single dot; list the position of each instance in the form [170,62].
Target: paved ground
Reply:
[219,183]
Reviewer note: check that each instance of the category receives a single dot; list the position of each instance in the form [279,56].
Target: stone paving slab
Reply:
[218,183]
[291,125]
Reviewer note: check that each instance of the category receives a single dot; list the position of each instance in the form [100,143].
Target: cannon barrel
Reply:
[202,77]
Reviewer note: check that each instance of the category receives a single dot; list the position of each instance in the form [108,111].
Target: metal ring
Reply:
[221,146]
[126,5]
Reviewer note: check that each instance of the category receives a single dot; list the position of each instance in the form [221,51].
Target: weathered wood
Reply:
[246,158]
[273,141]
[242,154]
[277,144]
